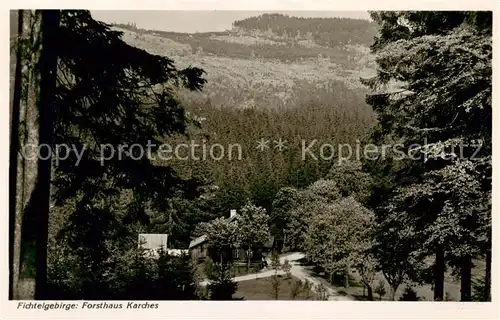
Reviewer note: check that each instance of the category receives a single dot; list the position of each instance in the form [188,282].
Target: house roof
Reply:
[232,218]
[203,238]
[198,241]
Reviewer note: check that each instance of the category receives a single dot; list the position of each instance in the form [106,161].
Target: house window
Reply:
[236,253]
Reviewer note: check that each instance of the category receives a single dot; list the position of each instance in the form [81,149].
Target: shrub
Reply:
[131,276]
[409,295]
[275,286]
[297,287]
[222,286]
[307,286]
[287,267]
[322,292]
[478,289]
[380,290]
[275,262]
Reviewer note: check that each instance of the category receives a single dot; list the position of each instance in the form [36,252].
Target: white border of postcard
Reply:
[247,309]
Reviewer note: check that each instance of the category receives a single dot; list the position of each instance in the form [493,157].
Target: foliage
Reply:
[221,236]
[462,217]
[133,79]
[338,235]
[177,277]
[396,250]
[252,228]
[323,190]
[351,179]
[334,114]
[433,87]
[230,45]
[478,289]
[307,204]
[284,202]
[180,210]
[183,215]
[395,25]
[129,277]
[124,97]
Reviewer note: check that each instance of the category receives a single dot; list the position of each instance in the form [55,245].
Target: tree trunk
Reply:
[439,267]
[392,293]
[394,283]
[282,243]
[466,279]
[346,278]
[48,72]
[487,271]
[31,141]
[25,115]
[370,292]
[33,138]
[248,259]
[15,114]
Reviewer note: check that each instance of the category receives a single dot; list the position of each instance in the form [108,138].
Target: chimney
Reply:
[232,213]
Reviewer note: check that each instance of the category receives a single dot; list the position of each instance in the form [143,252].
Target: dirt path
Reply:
[265,273]
[297,271]
[300,272]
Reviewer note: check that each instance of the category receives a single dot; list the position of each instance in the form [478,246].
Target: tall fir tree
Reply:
[433,88]
[99,92]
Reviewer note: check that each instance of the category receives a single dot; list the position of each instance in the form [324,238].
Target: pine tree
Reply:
[106,93]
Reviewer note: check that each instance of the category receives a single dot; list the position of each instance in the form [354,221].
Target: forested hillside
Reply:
[328,32]
[271,84]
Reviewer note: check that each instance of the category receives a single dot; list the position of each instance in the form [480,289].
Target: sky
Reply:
[202,21]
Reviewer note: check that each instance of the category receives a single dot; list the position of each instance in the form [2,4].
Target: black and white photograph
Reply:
[249,155]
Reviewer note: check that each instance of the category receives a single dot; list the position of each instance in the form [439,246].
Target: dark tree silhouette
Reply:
[100,91]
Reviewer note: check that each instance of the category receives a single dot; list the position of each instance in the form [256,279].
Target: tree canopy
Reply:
[433,88]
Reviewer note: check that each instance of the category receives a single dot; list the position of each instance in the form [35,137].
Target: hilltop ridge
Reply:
[267,60]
